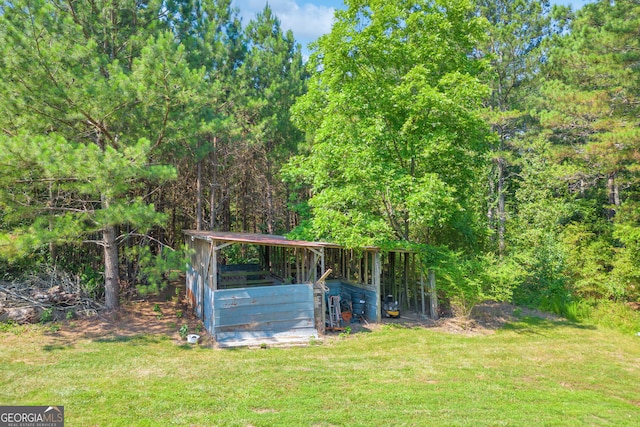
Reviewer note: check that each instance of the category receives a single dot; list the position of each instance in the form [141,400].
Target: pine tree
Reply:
[86,88]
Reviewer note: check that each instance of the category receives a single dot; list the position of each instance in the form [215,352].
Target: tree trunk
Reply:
[111,264]
[501,207]
[269,191]
[214,184]
[614,193]
[199,196]
[111,269]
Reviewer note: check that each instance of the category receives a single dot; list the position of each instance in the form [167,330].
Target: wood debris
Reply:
[54,292]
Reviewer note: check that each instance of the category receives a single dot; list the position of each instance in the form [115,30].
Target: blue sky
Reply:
[309,19]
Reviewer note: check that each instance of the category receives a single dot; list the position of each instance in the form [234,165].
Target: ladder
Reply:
[334,312]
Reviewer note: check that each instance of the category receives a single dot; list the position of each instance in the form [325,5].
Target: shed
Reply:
[275,298]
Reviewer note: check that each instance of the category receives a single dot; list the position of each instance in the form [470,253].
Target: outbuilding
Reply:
[252,289]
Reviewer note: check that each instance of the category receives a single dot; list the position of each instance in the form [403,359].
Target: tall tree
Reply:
[591,106]
[515,47]
[76,77]
[392,114]
[272,77]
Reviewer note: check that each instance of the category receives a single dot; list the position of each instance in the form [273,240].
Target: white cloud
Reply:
[307,21]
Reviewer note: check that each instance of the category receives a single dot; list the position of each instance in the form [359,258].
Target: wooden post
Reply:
[422,292]
[433,296]
[414,281]
[343,263]
[376,275]
[366,268]
[406,281]
[319,308]
[286,265]
[392,275]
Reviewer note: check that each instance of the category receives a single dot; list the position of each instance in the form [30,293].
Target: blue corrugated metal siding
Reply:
[283,312]
[371,306]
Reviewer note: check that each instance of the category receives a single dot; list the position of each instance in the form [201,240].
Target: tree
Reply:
[86,87]
[591,105]
[272,77]
[392,115]
[515,47]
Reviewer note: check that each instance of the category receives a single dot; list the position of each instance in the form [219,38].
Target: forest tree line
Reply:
[497,139]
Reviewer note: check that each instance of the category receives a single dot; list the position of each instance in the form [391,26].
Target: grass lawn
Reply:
[534,372]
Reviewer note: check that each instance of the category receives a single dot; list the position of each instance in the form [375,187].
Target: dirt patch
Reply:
[485,319]
[155,316]
[148,316]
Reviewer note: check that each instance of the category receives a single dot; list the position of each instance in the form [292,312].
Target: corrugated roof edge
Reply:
[257,239]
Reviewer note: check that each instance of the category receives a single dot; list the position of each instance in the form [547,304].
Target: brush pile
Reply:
[49,295]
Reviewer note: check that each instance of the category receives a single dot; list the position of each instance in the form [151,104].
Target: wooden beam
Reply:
[422,292]
[433,295]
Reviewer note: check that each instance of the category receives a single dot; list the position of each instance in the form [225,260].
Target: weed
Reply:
[47,315]
[183,331]
[179,314]
[517,312]
[54,328]
[11,326]
[198,328]
[156,308]
[70,314]
[346,333]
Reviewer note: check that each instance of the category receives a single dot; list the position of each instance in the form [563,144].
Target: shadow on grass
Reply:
[535,325]
[55,347]
[132,339]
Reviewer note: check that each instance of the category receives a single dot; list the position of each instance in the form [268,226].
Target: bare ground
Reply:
[484,319]
[156,316]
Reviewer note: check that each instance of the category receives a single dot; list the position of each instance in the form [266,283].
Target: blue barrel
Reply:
[358,308]
[357,297]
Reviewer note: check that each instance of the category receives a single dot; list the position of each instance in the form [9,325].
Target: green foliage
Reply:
[92,282]
[42,165]
[603,313]
[47,315]
[466,281]
[156,270]
[183,331]
[396,143]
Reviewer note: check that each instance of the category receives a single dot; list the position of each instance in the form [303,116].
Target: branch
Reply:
[29,181]
[97,242]
[145,236]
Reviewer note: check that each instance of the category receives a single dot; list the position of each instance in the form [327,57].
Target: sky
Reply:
[309,19]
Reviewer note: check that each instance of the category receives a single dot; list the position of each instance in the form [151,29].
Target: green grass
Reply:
[534,372]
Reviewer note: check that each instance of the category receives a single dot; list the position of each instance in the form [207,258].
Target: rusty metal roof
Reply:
[255,239]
